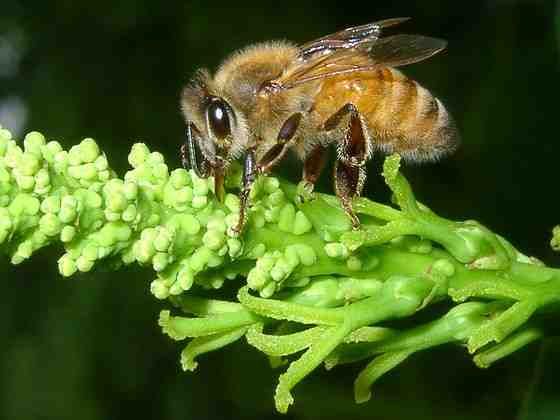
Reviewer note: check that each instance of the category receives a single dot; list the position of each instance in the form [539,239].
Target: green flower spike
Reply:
[310,290]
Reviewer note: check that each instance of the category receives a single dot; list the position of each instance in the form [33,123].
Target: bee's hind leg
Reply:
[353,149]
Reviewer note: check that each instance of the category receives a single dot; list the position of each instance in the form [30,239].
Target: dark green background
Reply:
[90,348]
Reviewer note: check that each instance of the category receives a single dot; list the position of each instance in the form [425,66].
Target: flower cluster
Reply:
[306,281]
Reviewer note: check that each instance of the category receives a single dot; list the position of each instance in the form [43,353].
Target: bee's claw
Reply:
[355,221]
[305,192]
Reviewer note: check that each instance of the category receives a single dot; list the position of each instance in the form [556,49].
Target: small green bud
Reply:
[32,206]
[257,251]
[130,190]
[287,218]
[50,225]
[75,172]
[268,290]
[292,256]
[155,158]
[138,155]
[61,159]
[555,241]
[179,178]
[271,184]
[200,186]
[83,264]
[199,259]
[190,224]
[336,250]
[88,172]
[25,182]
[257,279]
[74,156]
[258,220]
[276,198]
[144,251]
[51,204]
[199,201]
[30,164]
[160,261]
[301,224]
[234,247]
[443,267]
[161,171]
[101,163]
[111,216]
[272,215]
[280,271]
[67,214]
[103,175]
[66,265]
[90,252]
[67,233]
[130,213]
[89,150]
[175,289]
[49,151]
[184,195]
[23,252]
[354,263]
[232,203]
[5,134]
[213,239]
[215,260]
[222,251]
[217,222]
[306,254]
[163,240]
[116,202]
[42,179]
[231,220]
[185,278]
[159,289]
[33,142]
[92,199]
[216,281]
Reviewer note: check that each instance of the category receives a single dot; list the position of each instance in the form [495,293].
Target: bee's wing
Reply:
[370,55]
[347,38]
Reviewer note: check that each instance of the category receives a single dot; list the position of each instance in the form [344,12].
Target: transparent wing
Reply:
[367,55]
[347,38]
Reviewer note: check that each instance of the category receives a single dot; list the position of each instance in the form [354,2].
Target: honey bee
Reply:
[341,90]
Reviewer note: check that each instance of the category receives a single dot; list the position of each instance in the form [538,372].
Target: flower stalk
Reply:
[306,281]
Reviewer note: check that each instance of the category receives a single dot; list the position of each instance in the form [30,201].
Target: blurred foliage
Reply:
[90,348]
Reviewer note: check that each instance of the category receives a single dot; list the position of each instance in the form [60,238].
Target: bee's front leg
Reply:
[353,150]
[250,172]
[251,168]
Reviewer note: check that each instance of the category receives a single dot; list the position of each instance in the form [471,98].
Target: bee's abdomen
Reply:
[406,118]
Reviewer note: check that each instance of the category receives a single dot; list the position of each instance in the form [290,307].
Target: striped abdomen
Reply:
[400,115]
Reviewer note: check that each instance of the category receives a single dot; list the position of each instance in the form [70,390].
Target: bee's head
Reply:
[216,131]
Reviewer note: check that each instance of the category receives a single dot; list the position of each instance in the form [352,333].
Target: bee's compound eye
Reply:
[218,118]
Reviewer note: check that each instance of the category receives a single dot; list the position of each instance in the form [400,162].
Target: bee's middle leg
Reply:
[313,166]
[352,151]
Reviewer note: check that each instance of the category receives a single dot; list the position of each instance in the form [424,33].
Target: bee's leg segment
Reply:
[185,153]
[250,173]
[312,168]
[285,135]
[192,157]
[352,154]
[184,158]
